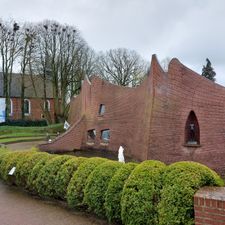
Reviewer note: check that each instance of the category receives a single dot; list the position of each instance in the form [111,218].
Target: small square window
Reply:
[105,135]
[101,109]
[91,134]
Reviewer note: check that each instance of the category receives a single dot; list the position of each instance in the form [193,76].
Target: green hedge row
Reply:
[25,123]
[130,194]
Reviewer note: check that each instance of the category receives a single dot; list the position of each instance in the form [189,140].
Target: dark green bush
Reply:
[64,175]
[25,165]
[25,123]
[47,175]
[32,178]
[97,184]
[180,182]
[141,194]
[114,192]
[75,190]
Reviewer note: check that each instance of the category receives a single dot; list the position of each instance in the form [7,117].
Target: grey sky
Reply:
[189,30]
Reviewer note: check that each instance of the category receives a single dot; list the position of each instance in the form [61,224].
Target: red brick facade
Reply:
[36,112]
[209,205]
[150,121]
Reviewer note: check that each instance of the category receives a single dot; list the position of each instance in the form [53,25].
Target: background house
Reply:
[34,104]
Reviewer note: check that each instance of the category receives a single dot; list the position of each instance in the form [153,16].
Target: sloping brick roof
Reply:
[29,90]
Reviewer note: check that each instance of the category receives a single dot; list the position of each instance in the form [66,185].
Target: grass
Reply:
[19,139]
[15,133]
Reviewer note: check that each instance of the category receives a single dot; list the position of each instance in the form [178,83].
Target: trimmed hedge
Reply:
[141,194]
[25,123]
[180,182]
[34,173]
[114,192]
[147,193]
[64,175]
[97,184]
[25,166]
[46,178]
[75,190]
[3,151]
[7,163]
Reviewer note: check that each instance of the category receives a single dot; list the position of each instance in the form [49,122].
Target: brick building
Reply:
[33,102]
[172,116]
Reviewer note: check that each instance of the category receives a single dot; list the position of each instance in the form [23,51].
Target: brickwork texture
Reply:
[149,120]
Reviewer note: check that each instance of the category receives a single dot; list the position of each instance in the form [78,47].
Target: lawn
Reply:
[15,133]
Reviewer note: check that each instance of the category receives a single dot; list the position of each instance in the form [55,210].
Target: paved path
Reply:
[19,208]
[24,145]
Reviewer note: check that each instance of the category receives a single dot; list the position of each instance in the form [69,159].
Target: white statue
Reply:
[120,154]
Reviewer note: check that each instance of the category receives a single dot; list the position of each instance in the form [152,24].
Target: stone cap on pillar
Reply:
[215,193]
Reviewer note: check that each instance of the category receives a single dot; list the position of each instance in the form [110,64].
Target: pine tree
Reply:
[208,71]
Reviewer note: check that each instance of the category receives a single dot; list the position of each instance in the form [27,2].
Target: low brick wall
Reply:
[209,205]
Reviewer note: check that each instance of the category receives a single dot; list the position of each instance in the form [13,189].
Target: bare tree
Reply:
[122,66]
[165,63]
[64,59]
[10,48]
[28,34]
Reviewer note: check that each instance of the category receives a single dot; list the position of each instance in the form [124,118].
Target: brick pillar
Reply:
[209,205]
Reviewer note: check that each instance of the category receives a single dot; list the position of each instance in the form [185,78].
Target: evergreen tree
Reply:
[208,71]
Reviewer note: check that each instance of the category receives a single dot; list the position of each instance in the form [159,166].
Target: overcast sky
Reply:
[190,30]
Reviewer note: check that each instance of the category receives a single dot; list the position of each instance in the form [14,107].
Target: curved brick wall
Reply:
[149,121]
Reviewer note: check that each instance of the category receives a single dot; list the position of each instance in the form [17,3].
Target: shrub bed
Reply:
[141,194]
[46,178]
[64,175]
[75,190]
[114,192]
[180,182]
[97,184]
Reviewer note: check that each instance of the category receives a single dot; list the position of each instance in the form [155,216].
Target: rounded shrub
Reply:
[47,175]
[97,184]
[25,166]
[141,194]
[33,175]
[180,182]
[114,192]
[64,175]
[75,190]
[8,162]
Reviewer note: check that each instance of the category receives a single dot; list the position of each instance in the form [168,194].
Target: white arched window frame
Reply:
[47,105]
[11,108]
[27,107]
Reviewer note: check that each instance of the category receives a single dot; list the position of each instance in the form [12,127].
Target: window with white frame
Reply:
[27,107]
[47,105]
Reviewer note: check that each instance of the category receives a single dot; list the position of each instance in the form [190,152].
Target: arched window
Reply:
[47,105]
[192,131]
[11,107]
[27,107]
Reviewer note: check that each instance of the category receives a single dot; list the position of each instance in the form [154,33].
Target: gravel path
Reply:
[24,145]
